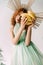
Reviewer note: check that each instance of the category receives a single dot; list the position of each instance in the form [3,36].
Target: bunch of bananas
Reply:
[31,17]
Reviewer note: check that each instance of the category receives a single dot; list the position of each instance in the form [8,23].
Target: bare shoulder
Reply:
[12,30]
[11,27]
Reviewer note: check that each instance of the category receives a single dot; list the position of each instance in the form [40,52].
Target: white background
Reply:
[5,42]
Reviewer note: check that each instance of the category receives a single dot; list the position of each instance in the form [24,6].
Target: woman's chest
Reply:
[16,30]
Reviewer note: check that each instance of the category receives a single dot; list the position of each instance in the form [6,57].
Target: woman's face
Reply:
[18,17]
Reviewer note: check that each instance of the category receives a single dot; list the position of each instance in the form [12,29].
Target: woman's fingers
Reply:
[25,21]
[23,18]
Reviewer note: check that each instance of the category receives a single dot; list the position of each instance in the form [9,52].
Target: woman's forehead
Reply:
[20,12]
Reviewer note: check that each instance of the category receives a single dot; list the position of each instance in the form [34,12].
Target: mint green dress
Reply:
[25,55]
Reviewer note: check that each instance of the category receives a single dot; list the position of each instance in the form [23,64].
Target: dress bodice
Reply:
[16,28]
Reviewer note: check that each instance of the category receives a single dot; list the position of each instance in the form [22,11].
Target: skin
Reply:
[14,38]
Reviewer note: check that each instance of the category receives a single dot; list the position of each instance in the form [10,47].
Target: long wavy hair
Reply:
[13,22]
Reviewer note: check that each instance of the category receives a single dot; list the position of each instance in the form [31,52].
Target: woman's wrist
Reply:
[21,28]
[29,28]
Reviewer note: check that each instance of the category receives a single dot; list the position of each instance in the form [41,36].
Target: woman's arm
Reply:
[28,36]
[14,38]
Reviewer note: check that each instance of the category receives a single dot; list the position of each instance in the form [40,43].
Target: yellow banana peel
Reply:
[30,17]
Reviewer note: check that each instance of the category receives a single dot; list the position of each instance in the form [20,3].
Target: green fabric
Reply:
[23,55]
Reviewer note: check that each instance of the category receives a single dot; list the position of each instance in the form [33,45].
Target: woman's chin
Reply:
[17,21]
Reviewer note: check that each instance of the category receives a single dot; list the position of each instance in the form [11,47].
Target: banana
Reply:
[30,13]
[30,17]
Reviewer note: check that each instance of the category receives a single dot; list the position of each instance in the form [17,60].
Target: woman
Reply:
[25,52]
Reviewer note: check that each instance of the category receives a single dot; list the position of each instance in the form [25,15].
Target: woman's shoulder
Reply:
[16,27]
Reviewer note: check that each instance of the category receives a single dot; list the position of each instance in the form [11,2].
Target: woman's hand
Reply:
[23,22]
[30,26]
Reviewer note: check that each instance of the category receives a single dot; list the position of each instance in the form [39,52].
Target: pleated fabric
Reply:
[25,55]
